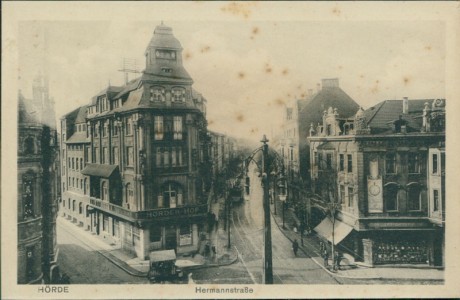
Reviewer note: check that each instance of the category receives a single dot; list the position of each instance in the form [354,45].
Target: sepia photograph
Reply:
[229,149]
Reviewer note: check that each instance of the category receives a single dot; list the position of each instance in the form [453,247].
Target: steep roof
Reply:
[312,111]
[164,38]
[78,138]
[25,115]
[381,116]
[81,115]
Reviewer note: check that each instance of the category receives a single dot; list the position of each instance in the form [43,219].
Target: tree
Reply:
[326,193]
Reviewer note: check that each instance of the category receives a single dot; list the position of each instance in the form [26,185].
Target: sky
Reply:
[248,70]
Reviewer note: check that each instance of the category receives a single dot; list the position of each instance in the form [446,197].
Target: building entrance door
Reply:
[171,238]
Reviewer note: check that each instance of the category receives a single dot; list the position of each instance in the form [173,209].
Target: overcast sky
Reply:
[246,69]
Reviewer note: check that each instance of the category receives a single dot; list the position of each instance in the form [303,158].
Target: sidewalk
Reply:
[135,266]
[352,271]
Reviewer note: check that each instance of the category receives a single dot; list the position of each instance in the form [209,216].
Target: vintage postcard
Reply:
[155,150]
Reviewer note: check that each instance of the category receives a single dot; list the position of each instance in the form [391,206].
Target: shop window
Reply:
[155,233]
[185,235]
[390,163]
[435,200]
[413,163]
[28,183]
[414,197]
[341,162]
[158,127]
[177,127]
[390,195]
[349,163]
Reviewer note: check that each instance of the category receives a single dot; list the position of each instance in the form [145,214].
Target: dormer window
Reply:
[157,94]
[178,94]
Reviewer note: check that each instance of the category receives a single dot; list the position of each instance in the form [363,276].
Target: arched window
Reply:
[28,190]
[390,195]
[29,146]
[413,196]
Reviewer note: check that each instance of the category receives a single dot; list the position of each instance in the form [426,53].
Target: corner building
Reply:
[134,158]
[389,167]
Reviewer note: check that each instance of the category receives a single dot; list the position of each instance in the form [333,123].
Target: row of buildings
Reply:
[138,161]
[373,180]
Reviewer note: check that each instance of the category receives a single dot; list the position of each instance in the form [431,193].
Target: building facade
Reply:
[133,158]
[38,189]
[388,168]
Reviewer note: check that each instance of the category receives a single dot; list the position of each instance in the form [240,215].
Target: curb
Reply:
[347,276]
[113,259]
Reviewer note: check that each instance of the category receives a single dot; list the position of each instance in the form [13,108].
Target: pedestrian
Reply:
[214,250]
[295,247]
[326,257]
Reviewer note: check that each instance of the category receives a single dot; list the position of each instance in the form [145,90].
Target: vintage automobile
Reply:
[163,267]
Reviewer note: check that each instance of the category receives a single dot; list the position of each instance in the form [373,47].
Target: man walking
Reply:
[295,247]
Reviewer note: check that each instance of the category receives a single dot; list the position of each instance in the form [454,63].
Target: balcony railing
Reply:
[153,214]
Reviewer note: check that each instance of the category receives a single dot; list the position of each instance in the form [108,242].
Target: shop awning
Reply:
[341,230]
[99,170]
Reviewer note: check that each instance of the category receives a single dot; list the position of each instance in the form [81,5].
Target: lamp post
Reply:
[268,263]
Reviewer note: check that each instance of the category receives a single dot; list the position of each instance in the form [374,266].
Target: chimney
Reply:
[318,87]
[330,82]
[405,105]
